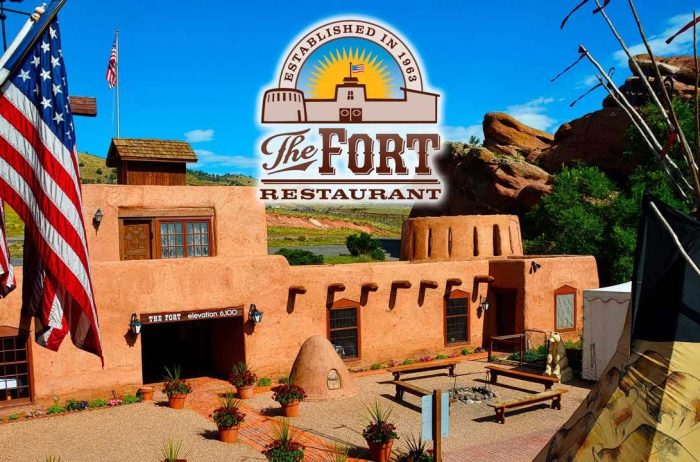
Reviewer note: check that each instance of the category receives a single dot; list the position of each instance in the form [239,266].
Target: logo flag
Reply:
[355,68]
[112,65]
[39,179]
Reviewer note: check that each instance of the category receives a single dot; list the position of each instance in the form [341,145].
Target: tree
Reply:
[300,257]
[363,244]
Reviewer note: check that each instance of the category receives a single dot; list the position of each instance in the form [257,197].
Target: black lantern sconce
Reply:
[135,325]
[255,315]
[97,219]
[534,266]
[484,304]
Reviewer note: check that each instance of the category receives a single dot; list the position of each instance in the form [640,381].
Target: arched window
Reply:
[344,328]
[457,318]
[565,309]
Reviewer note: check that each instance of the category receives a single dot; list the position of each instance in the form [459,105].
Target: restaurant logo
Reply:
[349,119]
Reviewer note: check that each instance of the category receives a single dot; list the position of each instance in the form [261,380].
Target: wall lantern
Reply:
[484,305]
[534,266]
[135,324]
[254,314]
[97,219]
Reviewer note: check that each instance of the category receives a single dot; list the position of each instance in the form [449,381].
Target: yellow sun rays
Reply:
[330,70]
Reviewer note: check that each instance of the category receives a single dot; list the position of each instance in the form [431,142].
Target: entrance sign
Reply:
[177,316]
[357,122]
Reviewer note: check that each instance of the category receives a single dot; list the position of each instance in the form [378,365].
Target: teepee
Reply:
[646,406]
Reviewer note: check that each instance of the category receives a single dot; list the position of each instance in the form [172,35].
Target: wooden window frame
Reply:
[28,361]
[344,304]
[566,290]
[158,251]
[456,294]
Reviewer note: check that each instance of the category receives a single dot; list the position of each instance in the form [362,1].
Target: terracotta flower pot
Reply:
[147,393]
[380,452]
[291,409]
[177,400]
[245,392]
[228,435]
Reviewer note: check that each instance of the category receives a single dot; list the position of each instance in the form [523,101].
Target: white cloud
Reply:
[588,81]
[211,159]
[533,113]
[199,135]
[682,44]
[461,133]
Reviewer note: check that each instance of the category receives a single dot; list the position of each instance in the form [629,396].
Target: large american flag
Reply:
[39,179]
[112,66]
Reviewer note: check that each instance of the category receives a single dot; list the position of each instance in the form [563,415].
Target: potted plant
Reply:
[171,452]
[228,418]
[176,388]
[284,448]
[416,450]
[146,393]
[289,396]
[379,432]
[243,378]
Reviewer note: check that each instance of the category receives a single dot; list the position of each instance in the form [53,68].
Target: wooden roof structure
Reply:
[149,150]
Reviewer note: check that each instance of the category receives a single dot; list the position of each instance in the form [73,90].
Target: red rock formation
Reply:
[505,135]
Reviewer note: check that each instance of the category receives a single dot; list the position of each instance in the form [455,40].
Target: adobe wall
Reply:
[239,219]
[455,237]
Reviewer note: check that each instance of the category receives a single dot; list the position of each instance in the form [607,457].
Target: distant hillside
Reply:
[93,169]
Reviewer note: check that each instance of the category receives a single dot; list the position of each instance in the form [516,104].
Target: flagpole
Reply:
[118,79]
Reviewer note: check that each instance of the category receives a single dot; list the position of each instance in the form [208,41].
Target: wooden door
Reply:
[136,240]
[506,312]
[344,114]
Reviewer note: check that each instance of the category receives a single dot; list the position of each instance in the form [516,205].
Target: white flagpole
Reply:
[119,78]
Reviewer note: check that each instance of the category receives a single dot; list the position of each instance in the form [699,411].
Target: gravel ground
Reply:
[470,424]
[135,433]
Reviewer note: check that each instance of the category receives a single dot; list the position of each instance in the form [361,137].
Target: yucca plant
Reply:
[173,383]
[415,450]
[242,375]
[284,448]
[53,459]
[228,414]
[336,453]
[171,452]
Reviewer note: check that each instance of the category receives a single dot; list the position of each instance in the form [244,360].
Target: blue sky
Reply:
[194,70]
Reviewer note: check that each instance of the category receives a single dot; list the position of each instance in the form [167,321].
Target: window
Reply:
[343,328]
[351,94]
[565,308]
[184,239]
[457,317]
[14,366]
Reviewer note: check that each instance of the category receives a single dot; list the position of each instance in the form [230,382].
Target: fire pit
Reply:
[471,395]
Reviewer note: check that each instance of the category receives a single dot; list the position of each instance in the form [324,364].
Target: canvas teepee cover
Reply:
[646,406]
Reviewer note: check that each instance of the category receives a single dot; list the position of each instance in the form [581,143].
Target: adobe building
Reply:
[350,105]
[189,262]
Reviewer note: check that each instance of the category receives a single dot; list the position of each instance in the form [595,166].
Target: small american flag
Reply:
[112,65]
[40,180]
[357,68]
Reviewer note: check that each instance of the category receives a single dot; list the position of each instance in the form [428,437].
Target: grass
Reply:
[344,259]
[281,236]
[93,169]
[14,227]
[386,219]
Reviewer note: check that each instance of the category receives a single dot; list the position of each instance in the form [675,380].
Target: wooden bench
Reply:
[545,380]
[501,406]
[404,387]
[427,366]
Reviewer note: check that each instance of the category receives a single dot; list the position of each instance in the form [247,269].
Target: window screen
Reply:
[565,311]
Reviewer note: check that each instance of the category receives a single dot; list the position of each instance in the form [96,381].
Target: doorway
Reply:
[204,348]
[346,114]
[504,314]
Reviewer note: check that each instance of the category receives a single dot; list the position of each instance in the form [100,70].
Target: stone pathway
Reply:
[257,430]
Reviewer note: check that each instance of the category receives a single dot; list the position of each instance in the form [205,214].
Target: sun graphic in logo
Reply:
[333,67]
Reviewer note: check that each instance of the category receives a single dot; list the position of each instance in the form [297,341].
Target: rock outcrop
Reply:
[597,138]
[479,181]
[503,134]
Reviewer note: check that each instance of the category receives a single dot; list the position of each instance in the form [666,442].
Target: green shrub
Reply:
[574,344]
[300,257]
[55,408]
[130,399]
[375,366]
[532,355]
[408,361]
[378,254]
[284,380]
[13,417]
[95,403]
[466,351]
[264,381]
[362,244]
[441,356]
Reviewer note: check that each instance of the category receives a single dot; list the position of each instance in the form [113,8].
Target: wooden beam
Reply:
[401,284]
[429,283]
[483,278]
[297,289]
[370,286]
[336,286]
[83,105]
[454,282]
